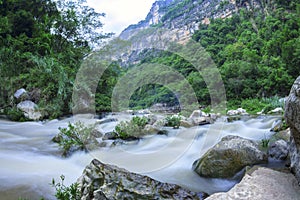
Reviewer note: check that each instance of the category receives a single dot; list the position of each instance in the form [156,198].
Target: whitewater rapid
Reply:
[29,159]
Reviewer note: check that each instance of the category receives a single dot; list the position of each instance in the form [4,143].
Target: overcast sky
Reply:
[121,13]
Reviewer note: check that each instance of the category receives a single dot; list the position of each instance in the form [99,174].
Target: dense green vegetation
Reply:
[257,53]
[42,45]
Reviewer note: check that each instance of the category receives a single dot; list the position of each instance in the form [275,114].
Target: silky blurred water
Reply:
[29,159]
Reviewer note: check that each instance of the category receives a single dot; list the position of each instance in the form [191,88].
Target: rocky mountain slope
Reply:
[183,17]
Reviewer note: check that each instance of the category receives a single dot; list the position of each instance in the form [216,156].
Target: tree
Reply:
[42,47]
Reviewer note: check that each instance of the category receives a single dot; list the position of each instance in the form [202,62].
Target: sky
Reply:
[121,13]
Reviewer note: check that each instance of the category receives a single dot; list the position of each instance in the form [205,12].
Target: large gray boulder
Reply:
[30,110]
[262,184]
[292,117]
[228,157]
[100,181]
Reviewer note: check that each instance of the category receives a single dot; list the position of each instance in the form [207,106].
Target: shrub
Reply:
[253,106]
[15,114]
[272,103]
[75,137]
[140,121]
[66,193]
[132,129]
[173,121]
[256,105]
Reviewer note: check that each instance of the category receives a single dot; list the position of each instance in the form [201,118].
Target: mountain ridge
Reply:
[185,16]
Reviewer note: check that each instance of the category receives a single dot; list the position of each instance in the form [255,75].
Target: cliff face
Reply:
[183,17]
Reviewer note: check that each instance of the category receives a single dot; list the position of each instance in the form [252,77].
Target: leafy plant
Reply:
[132,129]
[272,103]
[173,121]
[66,192]
[140,121]
[74,137]
[15,114]
[265,142]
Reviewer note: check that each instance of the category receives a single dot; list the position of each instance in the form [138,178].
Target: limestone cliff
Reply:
[183,17]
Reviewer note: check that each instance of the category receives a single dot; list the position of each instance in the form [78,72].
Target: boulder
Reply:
[279,150]
[239,111]
[151,129]
[228,157]
[30,110]
[262,184]
[101,181]
[277,125]
[106,120]
[143,112]
[196,113]
[19,93]
[198,118]
[35,95]
[151,118]
[110,136]
[292,117]
[278,110]
[186,124]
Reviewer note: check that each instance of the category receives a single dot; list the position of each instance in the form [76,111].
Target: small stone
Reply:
[19,93]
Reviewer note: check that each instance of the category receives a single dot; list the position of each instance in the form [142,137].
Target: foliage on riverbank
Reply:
[257,54]
[42,44]
[257,105]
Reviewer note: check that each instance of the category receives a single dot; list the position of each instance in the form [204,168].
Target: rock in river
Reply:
[292,117]
[100,181]
[228,157]
[262,184]
[279,150]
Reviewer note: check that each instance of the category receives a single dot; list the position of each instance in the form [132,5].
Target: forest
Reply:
[43,43]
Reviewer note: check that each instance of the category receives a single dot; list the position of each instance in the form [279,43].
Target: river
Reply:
[29,160]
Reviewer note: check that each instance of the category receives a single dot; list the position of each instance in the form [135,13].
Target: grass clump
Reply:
[173,121]
[63,192]
[15,114]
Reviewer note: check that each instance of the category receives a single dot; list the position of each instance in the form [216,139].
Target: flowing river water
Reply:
[29,160]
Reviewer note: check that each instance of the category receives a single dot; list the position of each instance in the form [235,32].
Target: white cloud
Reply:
[121,13]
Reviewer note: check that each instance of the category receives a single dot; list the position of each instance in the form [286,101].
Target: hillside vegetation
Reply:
[42,45]
[257,53]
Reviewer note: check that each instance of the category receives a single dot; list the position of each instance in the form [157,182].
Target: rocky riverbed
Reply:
[163,160]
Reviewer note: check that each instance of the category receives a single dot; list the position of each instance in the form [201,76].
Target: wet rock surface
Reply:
[279,150]
[292,117]
[262,184]
[101,181]
[228,157]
